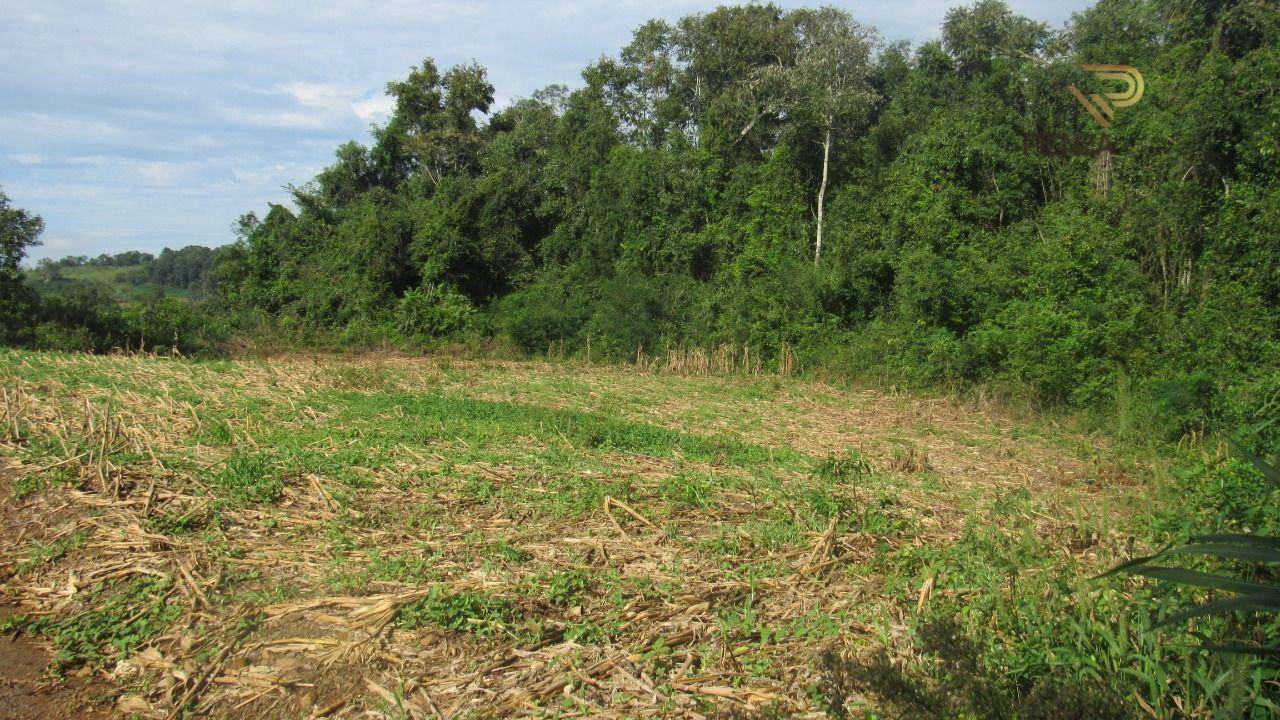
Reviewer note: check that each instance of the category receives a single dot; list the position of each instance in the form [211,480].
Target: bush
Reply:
[1186,401]
[66,338]
[1253,406]
[629,313]
[551,310]
[436,313]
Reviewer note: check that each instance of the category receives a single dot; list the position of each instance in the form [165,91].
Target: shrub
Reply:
[436,313]
[117,619]
[552,310]
[470,612]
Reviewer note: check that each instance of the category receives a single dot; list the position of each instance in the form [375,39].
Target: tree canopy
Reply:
[971,222]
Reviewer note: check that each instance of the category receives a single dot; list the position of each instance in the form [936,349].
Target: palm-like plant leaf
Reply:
[1263,601]
[1269,471]
[1259,541]
[1247,594]
[1130,566]
[1246,649]
[1231,551]
[1196,578]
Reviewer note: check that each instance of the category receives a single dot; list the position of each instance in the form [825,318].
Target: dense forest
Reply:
[788,182]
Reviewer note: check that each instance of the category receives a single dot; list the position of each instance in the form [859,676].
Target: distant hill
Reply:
[131,276]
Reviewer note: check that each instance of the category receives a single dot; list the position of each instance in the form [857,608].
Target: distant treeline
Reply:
[770,178]
[129,258]
[132,300]
[188,268]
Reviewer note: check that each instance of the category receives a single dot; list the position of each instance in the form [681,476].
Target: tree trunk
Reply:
[822,193]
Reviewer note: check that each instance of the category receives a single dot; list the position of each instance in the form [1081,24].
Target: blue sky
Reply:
[140,124]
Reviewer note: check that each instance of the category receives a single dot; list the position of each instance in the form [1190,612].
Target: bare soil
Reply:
[27,689]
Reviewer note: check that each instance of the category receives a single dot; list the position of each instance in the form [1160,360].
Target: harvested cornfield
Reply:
[438,538]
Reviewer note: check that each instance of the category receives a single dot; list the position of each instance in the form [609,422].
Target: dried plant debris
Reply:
[437,538]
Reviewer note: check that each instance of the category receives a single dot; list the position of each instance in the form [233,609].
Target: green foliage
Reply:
[564,586]
[469,612]
[249,477]
[671,202]
[436,313]
[549,311]
[978,227]
[843,468]
[19,230]
[42,554]
[115,620]
[507,551]
[484,422]
[1253,589]
[958,683]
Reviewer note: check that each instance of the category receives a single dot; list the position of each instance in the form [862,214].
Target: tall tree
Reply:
[829,86]
[19,230]
[434,117]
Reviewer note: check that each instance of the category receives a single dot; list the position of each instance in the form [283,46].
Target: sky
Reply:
[143,124]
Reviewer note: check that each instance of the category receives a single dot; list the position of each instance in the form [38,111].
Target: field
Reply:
[446,538]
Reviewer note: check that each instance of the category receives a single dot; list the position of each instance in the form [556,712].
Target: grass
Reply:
[537,538]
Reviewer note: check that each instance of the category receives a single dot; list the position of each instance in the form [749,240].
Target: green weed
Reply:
[502,549]
[249,477]
[42,554]
[563,587]
[469,612]
[115,620]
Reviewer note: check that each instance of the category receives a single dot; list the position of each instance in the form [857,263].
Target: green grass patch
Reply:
[426,418]
[249,477]
[470,612]
[116,620]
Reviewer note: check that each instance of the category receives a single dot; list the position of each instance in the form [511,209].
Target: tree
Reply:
[672,200]
[434,117]
[725,55]
[19,230]
[828,87]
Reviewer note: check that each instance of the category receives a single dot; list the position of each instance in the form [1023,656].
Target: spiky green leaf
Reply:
[1260,541]
[1239,648]
[1228,550]
[1130,566]
[1269,471]
[1196,578]
[1265,602]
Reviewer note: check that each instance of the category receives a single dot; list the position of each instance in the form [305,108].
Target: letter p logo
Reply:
[1103,106]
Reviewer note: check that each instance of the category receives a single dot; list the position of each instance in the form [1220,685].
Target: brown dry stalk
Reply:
[327,642]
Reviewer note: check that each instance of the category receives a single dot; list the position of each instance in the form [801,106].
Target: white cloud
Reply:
[285,119]
[160,174]
[319,95]
[126,173]
[24,159]
[36,125]
[340,100]
[374,109]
